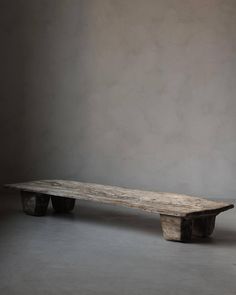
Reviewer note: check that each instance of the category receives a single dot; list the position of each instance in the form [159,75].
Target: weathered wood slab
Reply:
[182,216]
[155,202]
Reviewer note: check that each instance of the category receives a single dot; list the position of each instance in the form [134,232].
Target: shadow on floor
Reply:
[224,237]
[120,217]
[139,221]
[114,216]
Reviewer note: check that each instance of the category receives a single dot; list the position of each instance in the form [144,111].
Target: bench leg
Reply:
[62,204]
[176,228]
[204,226]
[34,204]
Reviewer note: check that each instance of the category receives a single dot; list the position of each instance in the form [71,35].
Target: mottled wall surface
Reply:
[130,92]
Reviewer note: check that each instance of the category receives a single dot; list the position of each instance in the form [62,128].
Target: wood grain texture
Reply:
[176,228]
[156,202]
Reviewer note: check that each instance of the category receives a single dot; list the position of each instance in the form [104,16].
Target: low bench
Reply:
[181,216]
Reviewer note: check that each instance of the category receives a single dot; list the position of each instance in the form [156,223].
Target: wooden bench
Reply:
[181,216]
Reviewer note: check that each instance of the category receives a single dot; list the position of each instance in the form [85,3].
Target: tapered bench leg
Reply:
[204,226]
[34,203]
[181,229]
[62,204]
[176,228]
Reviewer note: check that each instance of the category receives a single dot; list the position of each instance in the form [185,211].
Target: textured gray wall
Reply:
[130,92]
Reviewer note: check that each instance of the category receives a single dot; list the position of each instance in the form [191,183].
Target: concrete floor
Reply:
[100,249]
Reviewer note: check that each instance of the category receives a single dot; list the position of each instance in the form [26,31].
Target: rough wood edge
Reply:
[149,208]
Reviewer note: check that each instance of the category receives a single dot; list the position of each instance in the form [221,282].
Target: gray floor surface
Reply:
[101,249]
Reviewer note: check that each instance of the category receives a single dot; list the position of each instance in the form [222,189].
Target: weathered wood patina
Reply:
[182,216]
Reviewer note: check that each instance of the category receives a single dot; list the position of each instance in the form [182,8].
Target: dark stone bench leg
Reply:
[62,204]
[204,226]
[34,204]
[176,228]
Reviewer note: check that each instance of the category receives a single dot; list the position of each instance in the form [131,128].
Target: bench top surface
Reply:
[156,202]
